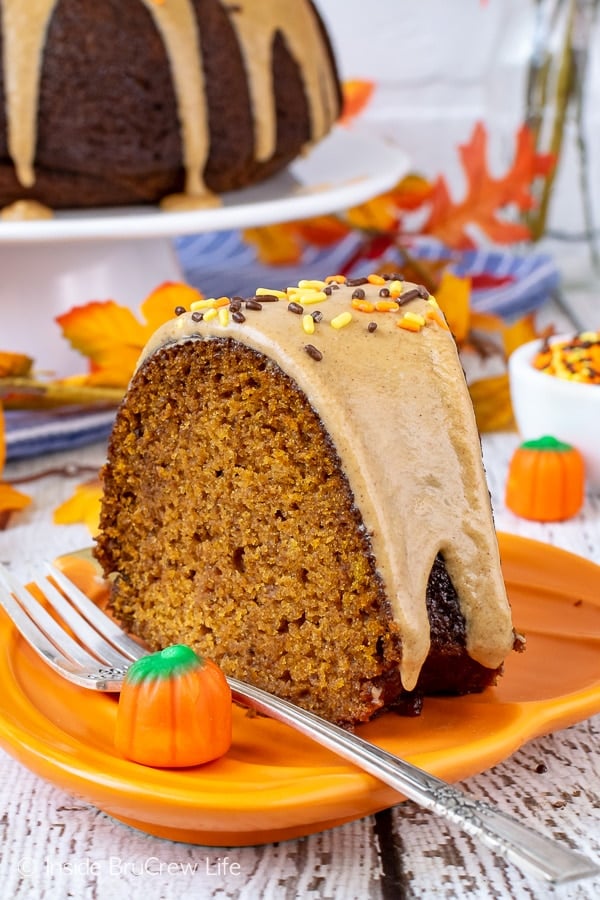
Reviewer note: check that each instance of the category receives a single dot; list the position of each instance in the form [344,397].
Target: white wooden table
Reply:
[54,846]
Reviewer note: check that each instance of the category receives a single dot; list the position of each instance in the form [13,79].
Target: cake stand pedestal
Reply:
[40,281]
[48,267]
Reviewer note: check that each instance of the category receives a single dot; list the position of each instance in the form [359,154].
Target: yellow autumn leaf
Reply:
[491,402]
[82,508]
[2,439]
[379,214]
[453,295]
[11,501]
[276,245]
[519,333]
[159,306]
[12,364]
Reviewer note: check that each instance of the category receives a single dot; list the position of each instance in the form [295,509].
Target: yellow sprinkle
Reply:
[211,314]
[308,324]
[309,296]
[207,303]
[431,299]
[311,285]
[261,292]
[342,320]
[415,317]
[396,287]
[223,316]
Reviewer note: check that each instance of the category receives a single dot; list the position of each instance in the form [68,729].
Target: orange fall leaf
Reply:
[356,96]
[112,338]
[83,507]
[486,197]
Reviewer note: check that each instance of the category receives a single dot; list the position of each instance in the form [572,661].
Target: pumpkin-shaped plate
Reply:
[274,783]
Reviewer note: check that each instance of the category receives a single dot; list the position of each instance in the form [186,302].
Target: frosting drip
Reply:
[256,23]
[421,487]
[24,28]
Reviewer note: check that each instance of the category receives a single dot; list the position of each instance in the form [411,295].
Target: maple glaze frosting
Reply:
[388,386]
[255,22]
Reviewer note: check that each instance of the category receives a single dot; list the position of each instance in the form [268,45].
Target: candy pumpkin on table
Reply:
[174,710]
[546,480]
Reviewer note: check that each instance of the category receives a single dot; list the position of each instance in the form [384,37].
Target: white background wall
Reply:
[441,65]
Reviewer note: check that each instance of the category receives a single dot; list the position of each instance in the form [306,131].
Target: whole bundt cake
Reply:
[132,101]
[294,487]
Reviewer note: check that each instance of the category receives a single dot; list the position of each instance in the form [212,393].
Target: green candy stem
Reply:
[547,443]
[167,663]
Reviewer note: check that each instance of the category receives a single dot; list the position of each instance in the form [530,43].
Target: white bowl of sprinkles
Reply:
[555,390]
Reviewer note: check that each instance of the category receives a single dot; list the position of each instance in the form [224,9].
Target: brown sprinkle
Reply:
[413,294]
[317,315]
[371,327]
[252,303]
[179,310]
[266,298]
[313,352]
[358,294]
[295,308]
[355,282]
[238,316]
[384,292]
[197,316]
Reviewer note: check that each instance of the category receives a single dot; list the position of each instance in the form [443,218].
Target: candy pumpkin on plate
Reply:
[546,480]
[174,710]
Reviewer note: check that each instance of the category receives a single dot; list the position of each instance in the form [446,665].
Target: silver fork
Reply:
[102,667]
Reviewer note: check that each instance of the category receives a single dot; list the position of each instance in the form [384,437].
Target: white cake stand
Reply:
[47,267]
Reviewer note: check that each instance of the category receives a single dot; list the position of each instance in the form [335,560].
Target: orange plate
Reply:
[275,784]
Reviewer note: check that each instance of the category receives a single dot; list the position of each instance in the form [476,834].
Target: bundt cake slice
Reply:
[294,487]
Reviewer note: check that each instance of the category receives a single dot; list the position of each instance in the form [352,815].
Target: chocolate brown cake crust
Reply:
[228,524]
[108,132]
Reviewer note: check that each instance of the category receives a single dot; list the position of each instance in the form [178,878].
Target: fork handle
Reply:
[526,848]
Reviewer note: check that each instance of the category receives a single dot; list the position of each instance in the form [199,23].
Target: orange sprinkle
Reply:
[375,279]
[339,279]
[221,301]
[434,316]
[386,306]
[363,305]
